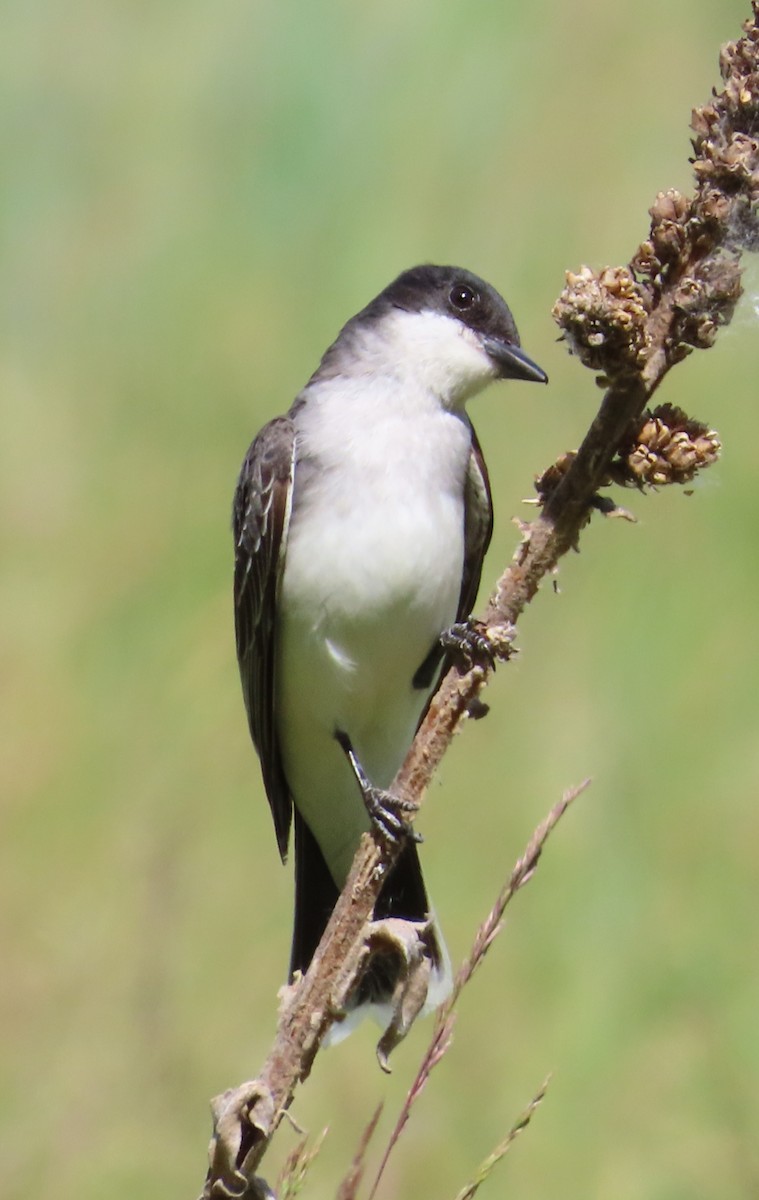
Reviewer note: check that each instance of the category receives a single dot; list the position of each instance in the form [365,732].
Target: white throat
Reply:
[423,351]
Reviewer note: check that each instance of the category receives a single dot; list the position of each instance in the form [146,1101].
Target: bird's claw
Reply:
[469,642]
[388,814]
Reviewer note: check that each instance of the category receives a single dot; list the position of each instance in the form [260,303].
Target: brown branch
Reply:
[631,324]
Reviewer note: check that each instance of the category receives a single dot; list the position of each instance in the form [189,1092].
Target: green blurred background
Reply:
[194,198]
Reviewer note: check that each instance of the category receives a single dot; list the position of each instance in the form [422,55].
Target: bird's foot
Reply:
[388,813]
[468,641]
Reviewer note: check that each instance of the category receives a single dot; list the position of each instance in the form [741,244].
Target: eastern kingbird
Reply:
[361,519]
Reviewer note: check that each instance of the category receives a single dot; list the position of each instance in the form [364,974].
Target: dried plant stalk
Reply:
[442,1034]
[485,1169]
[348,1189]
[296,1167]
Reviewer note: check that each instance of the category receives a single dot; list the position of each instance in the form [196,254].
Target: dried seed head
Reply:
[603,316]
[705,301]
[738,68]
[683,282]
[667,447]
[730,165]
[714,206]
[547,483]
[668,225]
[726,144]
[645,262]
[669,206]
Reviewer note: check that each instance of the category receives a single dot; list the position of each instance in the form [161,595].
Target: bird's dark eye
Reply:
[462,296]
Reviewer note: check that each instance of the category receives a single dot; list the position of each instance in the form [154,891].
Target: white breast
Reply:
[380,515]
[372,576]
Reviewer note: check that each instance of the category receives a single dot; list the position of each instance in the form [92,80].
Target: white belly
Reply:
[372,577]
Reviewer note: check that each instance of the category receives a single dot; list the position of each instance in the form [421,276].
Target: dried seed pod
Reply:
[705,301]
[668,225]
[667,447]
[714,206]
[603,316]
[669,206]
[547,483]
[645,262]
[726,144]
[730,165]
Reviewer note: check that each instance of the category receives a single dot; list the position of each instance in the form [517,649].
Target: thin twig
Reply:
[486,1167]
[442,1034]
[297,1165]
[349,1186]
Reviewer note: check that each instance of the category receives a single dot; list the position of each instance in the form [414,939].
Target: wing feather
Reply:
[478,530]
[260,518]
[478,527]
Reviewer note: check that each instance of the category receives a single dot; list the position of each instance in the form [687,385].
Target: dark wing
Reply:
[478,527]
[478,530]
[260,517]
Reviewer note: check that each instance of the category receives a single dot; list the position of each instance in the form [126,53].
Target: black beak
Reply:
[512,362]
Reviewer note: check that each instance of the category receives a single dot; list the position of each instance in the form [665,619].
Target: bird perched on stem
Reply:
[361,519]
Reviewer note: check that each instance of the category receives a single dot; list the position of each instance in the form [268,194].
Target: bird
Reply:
[361,519]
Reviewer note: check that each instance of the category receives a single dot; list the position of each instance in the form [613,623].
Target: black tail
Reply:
[315,897]
[403,895]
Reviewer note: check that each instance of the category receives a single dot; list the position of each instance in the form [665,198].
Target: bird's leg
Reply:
[387,812]
[468,642]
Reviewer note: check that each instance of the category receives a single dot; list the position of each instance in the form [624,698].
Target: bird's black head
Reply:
[458,293]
